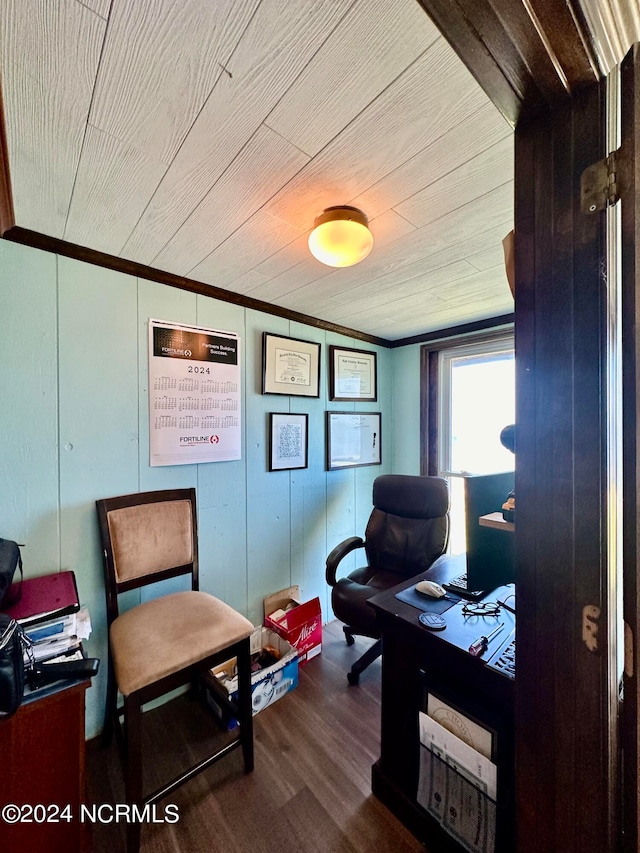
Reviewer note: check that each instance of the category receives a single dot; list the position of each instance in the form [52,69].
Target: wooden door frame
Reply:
[543,77]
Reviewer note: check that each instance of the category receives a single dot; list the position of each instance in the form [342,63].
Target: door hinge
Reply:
[599,184]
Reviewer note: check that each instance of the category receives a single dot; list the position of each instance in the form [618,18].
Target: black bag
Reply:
[10,560]
[13,643]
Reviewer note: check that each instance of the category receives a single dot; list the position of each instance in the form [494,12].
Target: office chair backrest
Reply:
[147,537]
[409,525]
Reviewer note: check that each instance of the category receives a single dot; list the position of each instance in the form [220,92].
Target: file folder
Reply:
[45,598]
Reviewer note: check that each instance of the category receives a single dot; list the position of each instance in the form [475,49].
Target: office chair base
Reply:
[372,653]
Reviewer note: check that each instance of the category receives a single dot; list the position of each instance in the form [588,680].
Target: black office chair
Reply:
[407,531]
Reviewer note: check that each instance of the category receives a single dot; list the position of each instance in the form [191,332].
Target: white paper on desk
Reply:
[458,754]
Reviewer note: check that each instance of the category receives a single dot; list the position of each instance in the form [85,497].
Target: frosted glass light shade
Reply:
[341,237]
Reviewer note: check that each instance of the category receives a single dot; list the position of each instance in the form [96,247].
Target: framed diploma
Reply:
[353,439]
[288,441]
[290,366]
[352,375]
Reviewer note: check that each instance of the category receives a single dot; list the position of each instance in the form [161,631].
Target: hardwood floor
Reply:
[311,787]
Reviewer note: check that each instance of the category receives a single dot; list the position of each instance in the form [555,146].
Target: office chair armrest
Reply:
[338,553]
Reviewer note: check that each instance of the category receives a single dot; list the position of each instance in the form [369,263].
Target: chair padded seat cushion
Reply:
[167,634]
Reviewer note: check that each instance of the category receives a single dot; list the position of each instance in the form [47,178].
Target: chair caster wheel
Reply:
[353,678]
[350,640]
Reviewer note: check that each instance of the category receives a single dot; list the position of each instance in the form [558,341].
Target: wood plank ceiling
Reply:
[201,138]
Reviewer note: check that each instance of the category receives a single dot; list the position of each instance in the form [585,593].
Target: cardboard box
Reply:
[298,623]
[267,685]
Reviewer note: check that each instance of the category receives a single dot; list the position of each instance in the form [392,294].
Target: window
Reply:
[475,400]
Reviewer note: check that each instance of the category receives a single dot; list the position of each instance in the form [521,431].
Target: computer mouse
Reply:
[430,588]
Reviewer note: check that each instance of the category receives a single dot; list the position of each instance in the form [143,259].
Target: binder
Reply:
[45,597]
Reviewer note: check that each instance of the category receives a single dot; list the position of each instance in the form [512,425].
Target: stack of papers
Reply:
[54,637]
[457,786]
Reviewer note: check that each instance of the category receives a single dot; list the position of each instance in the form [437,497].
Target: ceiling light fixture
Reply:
[340,236]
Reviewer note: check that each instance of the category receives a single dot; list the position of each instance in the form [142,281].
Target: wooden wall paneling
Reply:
[260,75]
[261,235]
[268,492]
[332,90]
[449,240]
[488,259]
[422,290]
[288,256]
[249,282]
[308,486]
[387,227]
[65,70]
[98,430]
[403,120]
[415,254]
[404,411]
[562,794]
[72,250]
[628,180]
[158,54]
[309,272]
[113,176]
[478,130]
[29,358]
[265,163]
[468,182]
[432,263]
[100,7]
[222,486]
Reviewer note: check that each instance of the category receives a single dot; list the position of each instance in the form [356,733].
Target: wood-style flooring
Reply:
[310,791]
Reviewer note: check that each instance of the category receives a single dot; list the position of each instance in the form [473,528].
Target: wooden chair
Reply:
[166,642]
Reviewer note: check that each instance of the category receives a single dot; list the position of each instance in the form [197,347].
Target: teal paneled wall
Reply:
[405,407]
[74,421]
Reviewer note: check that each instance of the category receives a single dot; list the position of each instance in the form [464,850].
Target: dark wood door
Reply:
[629,155]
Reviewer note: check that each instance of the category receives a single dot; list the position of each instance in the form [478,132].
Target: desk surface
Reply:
[461,631]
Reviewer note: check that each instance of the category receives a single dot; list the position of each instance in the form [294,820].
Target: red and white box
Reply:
[299,623]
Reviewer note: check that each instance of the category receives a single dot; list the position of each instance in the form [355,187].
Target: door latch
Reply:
[590,616]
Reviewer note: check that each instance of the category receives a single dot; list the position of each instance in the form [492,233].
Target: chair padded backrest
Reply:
[409,526]
[150,537]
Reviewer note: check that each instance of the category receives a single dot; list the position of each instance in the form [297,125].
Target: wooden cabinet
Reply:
[43,763]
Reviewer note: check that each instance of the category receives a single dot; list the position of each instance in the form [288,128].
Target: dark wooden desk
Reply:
[415,662]
[43,755]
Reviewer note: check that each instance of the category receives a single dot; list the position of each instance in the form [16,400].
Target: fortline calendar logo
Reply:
[190,440]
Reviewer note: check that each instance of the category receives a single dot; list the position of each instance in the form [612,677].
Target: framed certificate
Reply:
[352,375]
[290,366]
[353,439]
[288,441]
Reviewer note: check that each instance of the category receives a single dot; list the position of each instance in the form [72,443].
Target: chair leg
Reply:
[133,768]
[363,662]
[110,708]
[245,707]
